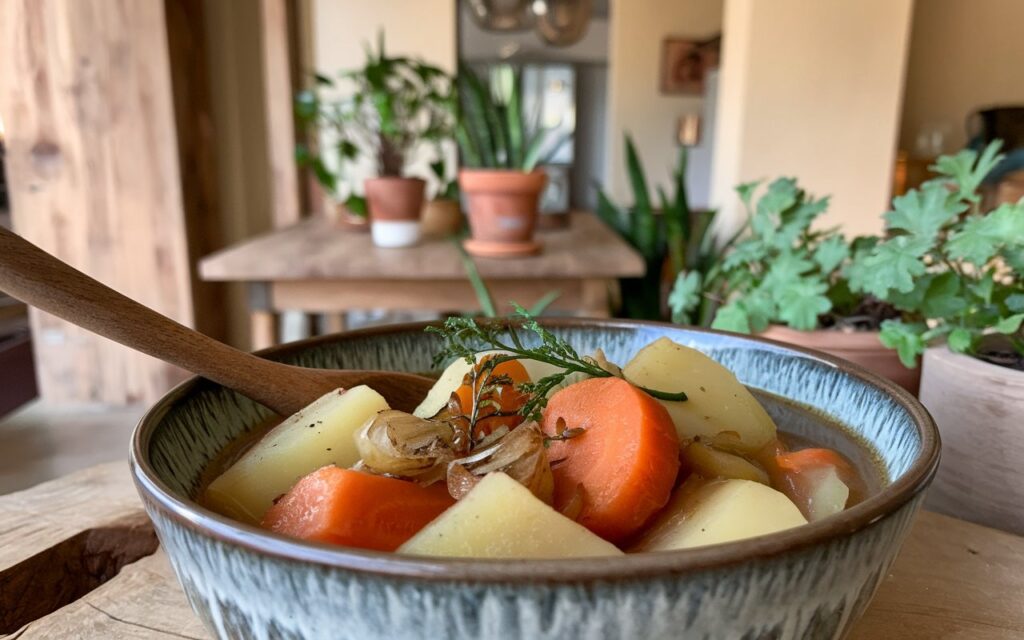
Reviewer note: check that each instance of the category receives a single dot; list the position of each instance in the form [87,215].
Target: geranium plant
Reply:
[782,271]
[953,270]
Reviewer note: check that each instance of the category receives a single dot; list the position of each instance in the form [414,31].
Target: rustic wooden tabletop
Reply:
[78,559]
[319,249]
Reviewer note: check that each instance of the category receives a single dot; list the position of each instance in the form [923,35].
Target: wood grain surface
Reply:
[953,579]
[92,164]
[318,249]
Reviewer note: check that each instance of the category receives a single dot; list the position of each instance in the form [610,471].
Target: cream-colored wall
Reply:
[635,103]
[420,28]
[963,55]
[812,90]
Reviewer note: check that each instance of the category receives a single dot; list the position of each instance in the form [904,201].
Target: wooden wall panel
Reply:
[85,93]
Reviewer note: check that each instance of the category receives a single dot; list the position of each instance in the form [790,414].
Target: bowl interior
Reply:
[806,393]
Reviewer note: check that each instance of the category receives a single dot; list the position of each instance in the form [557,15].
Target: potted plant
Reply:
[501,151]
[956,273]
[392,105]
[672,239]
[442,214]
[788,282]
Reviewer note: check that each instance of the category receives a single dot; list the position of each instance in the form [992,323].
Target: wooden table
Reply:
[318,267]
[78,559]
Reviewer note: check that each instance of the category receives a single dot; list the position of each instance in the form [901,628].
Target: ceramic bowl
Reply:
[810,582]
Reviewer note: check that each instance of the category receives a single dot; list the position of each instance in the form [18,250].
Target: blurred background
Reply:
[138,139]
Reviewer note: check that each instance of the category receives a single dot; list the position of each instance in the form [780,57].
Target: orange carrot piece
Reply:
[806,459]
[507,397]
[356,509]
[625,460]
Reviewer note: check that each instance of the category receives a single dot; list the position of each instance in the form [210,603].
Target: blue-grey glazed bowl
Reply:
[809,582]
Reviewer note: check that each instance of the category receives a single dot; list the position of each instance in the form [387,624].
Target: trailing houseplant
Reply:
[956,274]
[502,148]
[786,280]
[391,105]
[675,242]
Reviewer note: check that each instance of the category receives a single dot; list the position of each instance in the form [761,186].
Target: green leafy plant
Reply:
[668,231]
[492,130]
[447,187]
[391,105]
[783,272]
[953,270]
[483,293]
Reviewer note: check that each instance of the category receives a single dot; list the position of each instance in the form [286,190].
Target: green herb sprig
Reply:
[466,337]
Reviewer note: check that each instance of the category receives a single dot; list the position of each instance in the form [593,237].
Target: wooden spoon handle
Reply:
[41,280]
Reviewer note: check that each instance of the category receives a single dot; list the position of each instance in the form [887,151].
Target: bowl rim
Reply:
[560,570]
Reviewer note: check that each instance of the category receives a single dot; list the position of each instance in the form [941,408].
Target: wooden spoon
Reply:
[41,280]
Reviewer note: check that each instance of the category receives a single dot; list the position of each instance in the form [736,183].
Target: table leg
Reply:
[333,323]
[263,319]
[264,327]
[596,302]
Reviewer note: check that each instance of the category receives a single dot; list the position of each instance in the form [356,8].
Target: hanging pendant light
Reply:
[501,15]
[562,22]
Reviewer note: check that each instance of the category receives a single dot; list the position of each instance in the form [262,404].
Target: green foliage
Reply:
[491,129]
[447,187]
[782,271]
[954,271]
[389,106]
[483,293]
[671,232]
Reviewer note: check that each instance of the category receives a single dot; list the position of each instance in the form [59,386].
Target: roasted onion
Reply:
[520,454]
[402,445]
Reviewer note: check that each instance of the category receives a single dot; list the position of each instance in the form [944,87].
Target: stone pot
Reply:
[502,204]
[442,217]
[861,347]
[395,205]
[979,408]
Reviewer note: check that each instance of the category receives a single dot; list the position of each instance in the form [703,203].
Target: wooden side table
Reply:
[79,559]
[317,267]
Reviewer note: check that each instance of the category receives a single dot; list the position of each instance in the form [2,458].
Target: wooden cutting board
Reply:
[78,559]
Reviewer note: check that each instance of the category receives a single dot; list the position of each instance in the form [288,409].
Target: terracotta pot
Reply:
[861,347]
[395,205]
[441,217]
[502,204]
[979,408]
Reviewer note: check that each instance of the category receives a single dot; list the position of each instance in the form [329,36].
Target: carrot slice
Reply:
[505,398]
[356,509]
[807,459]
[625,460]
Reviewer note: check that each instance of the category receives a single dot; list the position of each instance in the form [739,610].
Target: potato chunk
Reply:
[717,402]
[711,463]
[826,493]
[720,511]
[321,434]
[500,518]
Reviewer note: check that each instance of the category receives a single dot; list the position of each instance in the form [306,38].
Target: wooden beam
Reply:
[193,114]
[92,158]
[277,92]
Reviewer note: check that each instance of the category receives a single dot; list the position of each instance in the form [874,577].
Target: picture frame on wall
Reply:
[685,63]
